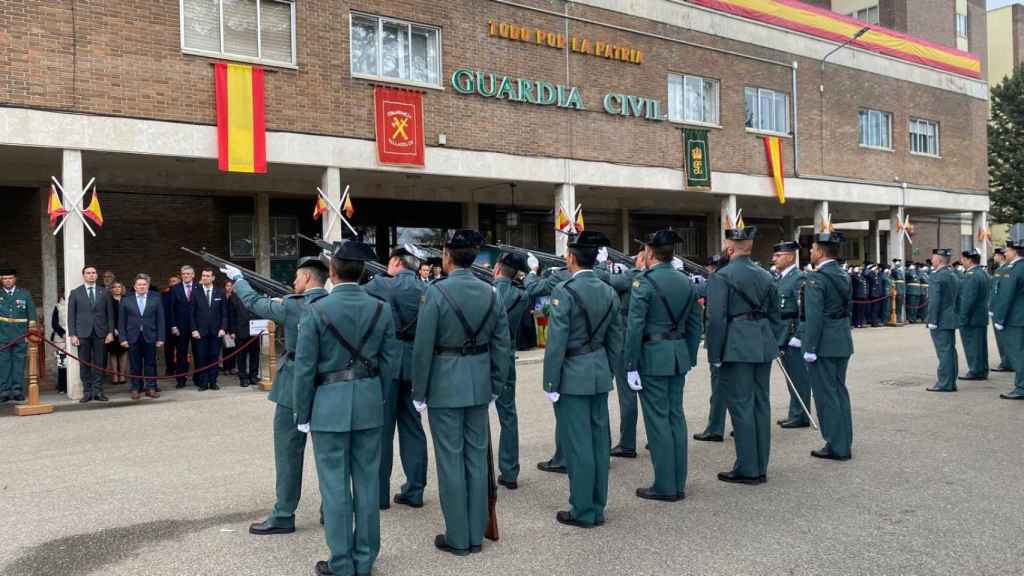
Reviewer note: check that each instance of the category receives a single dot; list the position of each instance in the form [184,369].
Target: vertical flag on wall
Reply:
[697,158]
[773,152]
[399,125]
[241,130]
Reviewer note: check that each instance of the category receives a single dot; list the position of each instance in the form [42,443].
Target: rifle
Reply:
[491,531]
[268,286]
[372,266]
[485,274]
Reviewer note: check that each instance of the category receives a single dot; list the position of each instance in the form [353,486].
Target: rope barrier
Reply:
[882,299]
[12,343]
[237,350]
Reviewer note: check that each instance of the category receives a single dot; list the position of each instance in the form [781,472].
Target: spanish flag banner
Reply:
[93,211]
[241,131]
[823,23]
[55,209]
[320,208]
[562,220]
[773,152]
[347,207]
[579,219]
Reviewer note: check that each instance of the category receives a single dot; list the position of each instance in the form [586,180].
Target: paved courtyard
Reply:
[168,487]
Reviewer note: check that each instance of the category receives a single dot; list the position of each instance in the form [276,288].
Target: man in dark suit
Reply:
[248,360]
[170,340]
[91,328]
[179,316]
[141,329]
[209,324]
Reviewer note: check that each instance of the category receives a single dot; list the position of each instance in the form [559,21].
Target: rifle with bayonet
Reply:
[372,267]
[266,285]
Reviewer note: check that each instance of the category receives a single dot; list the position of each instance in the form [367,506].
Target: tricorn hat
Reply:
[789,246]
[311,262]
[354,250]
[514,261]
[831,237]
[745,233]
[667,237]
[465,238]
[589,239]
[944,252]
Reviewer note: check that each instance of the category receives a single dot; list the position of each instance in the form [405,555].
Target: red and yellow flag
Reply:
[773,152]
[241,131]
[347,207]
[93,211]
[320,207]
[55,209]
[562,220]
[579,220]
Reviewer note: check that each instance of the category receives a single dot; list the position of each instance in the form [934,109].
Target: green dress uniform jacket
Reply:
[716,403]
[914,295]
[662,339]
[828,298]
[403,292]
[899,278]
[943,289]
[973,308]
[583,348]
[1001,273]
[1006,312]
[743,330]
[16,311]
[516,301]
[622,283]
[338,392]
[887,284]
[790,286]
[457,370]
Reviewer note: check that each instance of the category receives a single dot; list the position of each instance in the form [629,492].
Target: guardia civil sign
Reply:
[539,92]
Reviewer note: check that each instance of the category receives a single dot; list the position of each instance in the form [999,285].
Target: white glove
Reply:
[420,406]
[794,342]
[494,397]
[633,379]
[304,428]
[532,262]
[553,396]
[717,365]
[602,254]
[810,357]
[998,326]
[231,272]
[933,326]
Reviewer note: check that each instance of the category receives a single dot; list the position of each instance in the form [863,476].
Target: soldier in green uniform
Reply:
[16,311]
[885,275]
[924,272]
[1008,315]
[715,431]
[622,282]
[583,348]
[827,344]
[790,284]
[943,318]
[662,339]
[913,304]
[743,331]
[461,363]
[1001,272]
[402,290]
[973,308]
[899,278]
[515,301]
[346,349]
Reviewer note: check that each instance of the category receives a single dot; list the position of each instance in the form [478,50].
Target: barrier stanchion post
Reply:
[33,407]
[267,378]
[892,309]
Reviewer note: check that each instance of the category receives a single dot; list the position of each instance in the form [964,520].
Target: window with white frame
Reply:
[924,137]
[767,110]
[961,25]
[249,30]
[394,50]
[868,15]
[874,129]
[692,99]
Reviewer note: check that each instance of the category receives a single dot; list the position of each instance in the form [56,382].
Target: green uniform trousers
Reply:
[922,309]
[912,309]
[289,452]
[886,308]
[1013,336]
[583,426]
[975,341]
[558,458]
[828,377]
[460,448]
[347,464]
[793,361]
[400,413]
[665,422]
[627,410]
[745,387]
[901,301]
[508,441]
[716,413]
[945,349]
[12,368]
[1004,358]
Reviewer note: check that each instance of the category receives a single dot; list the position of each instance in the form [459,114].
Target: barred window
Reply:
[261,31]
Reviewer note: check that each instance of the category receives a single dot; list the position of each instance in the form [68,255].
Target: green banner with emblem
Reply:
[697,160]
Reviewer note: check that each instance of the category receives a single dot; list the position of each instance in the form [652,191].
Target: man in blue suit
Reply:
[209,322]
[141,327]
[179,316]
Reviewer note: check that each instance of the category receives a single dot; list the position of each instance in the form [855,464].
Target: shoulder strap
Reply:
[355,352]
[836,287]
[754,307]
[591,331]
[664,302]
[471,334]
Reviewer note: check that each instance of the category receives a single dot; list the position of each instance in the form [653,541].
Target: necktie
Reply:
[92,296]
[209,297]
[188,292]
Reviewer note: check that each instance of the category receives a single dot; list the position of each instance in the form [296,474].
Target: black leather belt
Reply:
[664,336]
[406,337]
[358,372]
[749,316]
[790,316]
[465,350]
[585,349]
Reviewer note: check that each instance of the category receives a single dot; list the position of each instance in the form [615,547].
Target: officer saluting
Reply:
[790,284]
[16,311]
[1008,314]
[827,344]
[742,339]
[662,338]
[289,443]
[973,309]
[346,348]
[460,364]
[943,289]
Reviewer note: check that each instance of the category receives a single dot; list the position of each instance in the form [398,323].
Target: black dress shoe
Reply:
[321,517]
[827,454]
[4,399]
[1012,396]
[385,506]
[442,544]
[708,437]
[794,424]
[620,452]
[403,499]
[970,377]
[265,528]
[547,466]
[1001,369]
[650,494]
[179,385]
[243,383]
[476,549]
[323,569]
[734,478]
[937,388]
[510,484]
[101,398]
[564,517]
[762,478]
[214,386]
[85,399]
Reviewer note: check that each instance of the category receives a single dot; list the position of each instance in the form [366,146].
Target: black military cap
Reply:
[311,262]
[972,254]
[1000,251]
[514,261]
[897,261]
[717,260]
[833,237]
[747,233]
[667,237]
[354,250]
[465,238]
[589,239]
[944,252]
[8,272]
[1015,244]
[789,246]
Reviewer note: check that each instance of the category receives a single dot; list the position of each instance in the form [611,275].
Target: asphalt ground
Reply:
[169,486]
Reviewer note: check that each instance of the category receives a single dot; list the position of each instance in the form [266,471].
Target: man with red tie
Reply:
[179,317]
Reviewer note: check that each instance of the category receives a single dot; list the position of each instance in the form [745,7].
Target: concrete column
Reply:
[896,242]
[263,233]
[876,240]
[821,215]
[627,236]
[790,230]
[48,260]
[471,215]
[330,183]
[726,212]
[565,198]
[979,221]
[74,248]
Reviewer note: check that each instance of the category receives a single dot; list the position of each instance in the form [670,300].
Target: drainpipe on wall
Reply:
[796,133]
